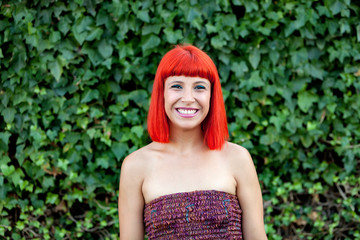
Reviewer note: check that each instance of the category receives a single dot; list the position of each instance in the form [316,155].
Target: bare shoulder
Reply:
[239,159]
[139,160]
[135,164]
[237,153]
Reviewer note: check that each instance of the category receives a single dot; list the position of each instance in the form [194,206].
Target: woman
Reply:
[189,183]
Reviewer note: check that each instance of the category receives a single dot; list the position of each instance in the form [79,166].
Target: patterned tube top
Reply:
[205,214]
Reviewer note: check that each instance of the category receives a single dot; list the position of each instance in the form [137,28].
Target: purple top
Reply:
[205,214]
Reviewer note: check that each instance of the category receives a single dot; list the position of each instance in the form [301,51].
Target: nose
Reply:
[188,96]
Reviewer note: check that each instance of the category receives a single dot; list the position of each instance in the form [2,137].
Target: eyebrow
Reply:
[203,82]
[172,82]
[197,82]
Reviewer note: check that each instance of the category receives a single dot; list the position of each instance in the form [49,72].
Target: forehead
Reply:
[186,79]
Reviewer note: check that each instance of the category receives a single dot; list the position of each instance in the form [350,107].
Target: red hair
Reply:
[189,61]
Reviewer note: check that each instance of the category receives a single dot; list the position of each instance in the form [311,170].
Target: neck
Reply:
[186,141]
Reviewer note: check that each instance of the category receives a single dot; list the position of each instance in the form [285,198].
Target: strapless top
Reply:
[205,214]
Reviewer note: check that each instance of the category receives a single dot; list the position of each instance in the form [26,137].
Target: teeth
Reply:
[186,111]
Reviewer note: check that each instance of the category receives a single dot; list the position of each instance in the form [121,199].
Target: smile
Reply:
[187,112]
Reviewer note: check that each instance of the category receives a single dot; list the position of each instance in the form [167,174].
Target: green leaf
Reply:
[254,58]
[95,56]
[36,134]
[20,98]
[51,134]
[105,49]
[229,20]
[4,160]
[299,57]
[63,164]
[274,56]
[153,28]
[52,198]
[192,14]
[250,6]
[336,7]
[306,140]
[89,95]
[103,18]
[96,113]
[217,42]
[254,80]
[300,19]
[316,72]
[140,97]
[8,114]
[56,69]
[239,68]
[82,122]
[103,162]
[349,161]
[150,43]
[306,100]
[79,29]
[64,25]
[48,182]
[90,6]
[94,34]
[4,136]
[330,173]
[265,140]
[210,28]
[19,61]
[144,16]
[3,146]
[59,9]
[278,121]
[16,177]
[173,37]
[119,149]
[55,37]
[138,130]
[7,170]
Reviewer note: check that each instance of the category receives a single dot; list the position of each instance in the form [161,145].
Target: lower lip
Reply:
[187,115]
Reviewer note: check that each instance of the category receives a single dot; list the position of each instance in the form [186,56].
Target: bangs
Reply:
[185,63]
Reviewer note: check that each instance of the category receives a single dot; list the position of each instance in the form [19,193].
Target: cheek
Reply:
[168,99]
[167,105]
[206,100]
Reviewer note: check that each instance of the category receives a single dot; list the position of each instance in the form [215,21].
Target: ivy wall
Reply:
[76,79]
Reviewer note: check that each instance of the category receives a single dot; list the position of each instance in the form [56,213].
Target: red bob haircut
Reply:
[189,61]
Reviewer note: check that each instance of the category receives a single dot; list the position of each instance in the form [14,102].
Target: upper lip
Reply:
[186,108]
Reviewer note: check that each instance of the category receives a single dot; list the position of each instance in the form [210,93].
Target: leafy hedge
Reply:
[76,79]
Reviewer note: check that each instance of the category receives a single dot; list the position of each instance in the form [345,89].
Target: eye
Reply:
[177,86]
[200,87]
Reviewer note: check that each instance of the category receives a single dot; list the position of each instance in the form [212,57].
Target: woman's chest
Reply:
[166,177]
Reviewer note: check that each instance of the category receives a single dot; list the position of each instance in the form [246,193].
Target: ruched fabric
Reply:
[206,214]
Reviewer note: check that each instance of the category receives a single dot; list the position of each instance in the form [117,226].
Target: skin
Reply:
[186,164]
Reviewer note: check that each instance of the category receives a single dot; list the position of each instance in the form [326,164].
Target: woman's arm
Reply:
[131,201]
[249,195]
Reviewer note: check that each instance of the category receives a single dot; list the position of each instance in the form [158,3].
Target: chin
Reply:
[187,127]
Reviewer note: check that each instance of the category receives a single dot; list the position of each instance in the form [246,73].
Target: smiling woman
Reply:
[189,182]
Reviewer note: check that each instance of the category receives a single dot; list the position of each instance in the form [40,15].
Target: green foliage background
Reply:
[76,80]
